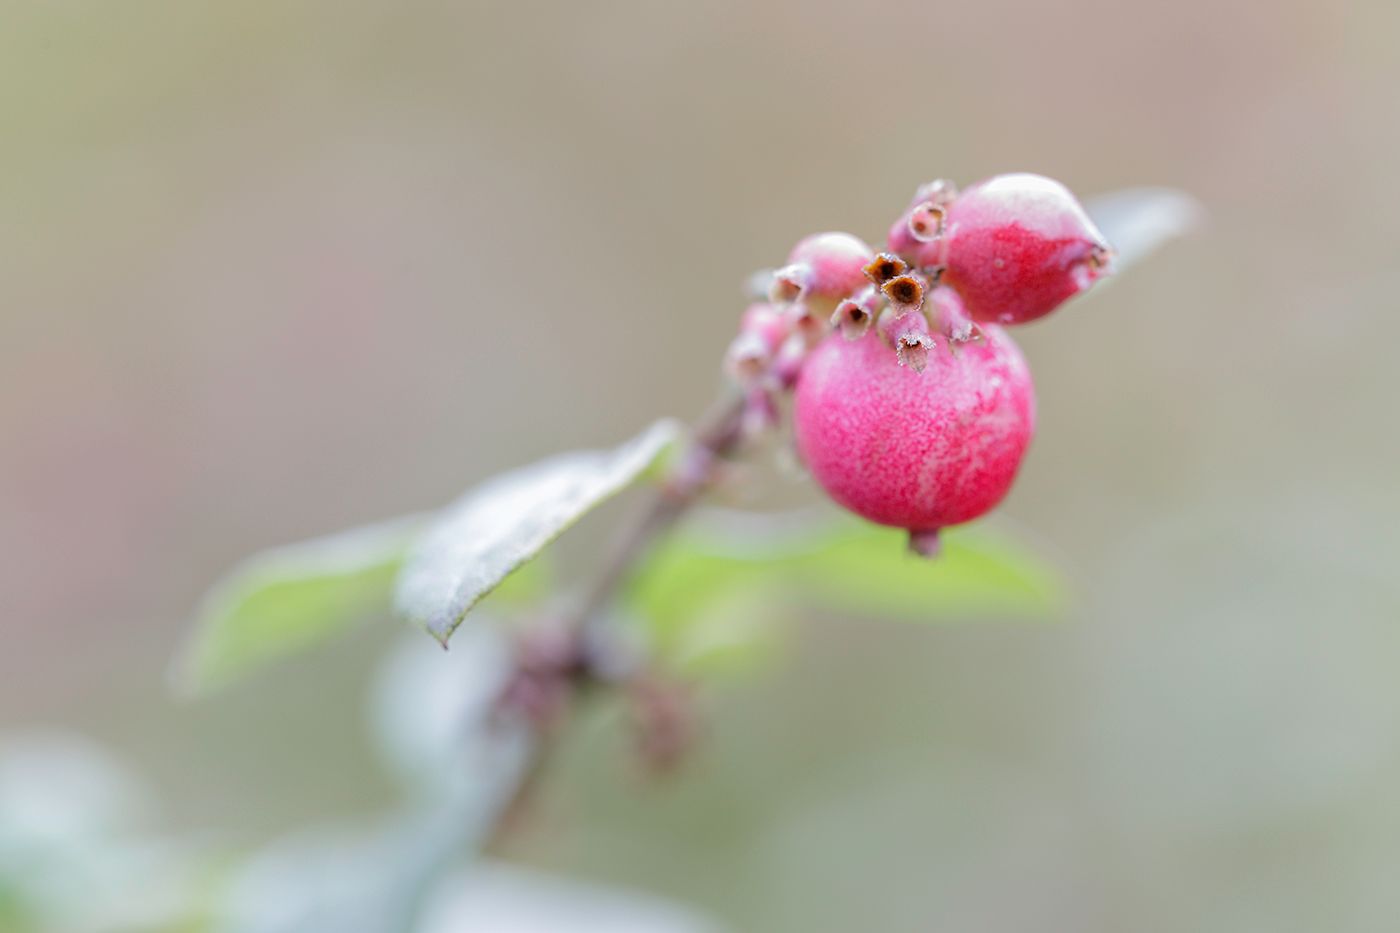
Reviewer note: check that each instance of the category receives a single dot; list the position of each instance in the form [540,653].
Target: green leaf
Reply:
[287,599]
[508,520]
[718,587]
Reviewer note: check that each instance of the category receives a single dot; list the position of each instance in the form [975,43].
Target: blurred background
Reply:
[269,270]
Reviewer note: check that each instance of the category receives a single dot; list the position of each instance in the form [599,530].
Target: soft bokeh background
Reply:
[267,270]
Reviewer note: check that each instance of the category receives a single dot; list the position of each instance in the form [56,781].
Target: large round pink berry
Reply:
[1016,246]
[917,450]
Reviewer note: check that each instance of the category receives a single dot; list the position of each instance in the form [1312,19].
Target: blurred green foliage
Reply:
[717,591]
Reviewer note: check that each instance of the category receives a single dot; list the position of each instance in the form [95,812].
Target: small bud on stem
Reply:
[747,358]
[789,284]
[854,315]
[912,341]
[949,317]
[925,543]
[926,222]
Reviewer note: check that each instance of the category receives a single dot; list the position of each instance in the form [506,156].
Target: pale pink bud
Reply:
[762,329]
[770,324]
[912,341]
[787,363]
[747,358]
[834,264]
[789,283]
[806,322]
[917,234]
[760,411]
[949,316]
[854,315]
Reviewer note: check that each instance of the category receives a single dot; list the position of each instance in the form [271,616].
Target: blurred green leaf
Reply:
[506,521]
[287,599]
[867,570]
[13,914]
[737,629]
[716,590]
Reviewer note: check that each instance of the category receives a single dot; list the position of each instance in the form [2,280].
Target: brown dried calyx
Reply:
[884,267]
[905,292]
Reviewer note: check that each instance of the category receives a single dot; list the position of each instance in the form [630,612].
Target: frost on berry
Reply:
[1017,246]
[915,450]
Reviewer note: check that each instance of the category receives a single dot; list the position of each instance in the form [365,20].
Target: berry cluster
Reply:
[912,407]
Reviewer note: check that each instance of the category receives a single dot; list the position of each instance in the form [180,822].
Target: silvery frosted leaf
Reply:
[431,711]
[59,789]
[506,521]
[1138,221]
[74,851]
[491,897]
[374,878]
[342,880]
[286,599]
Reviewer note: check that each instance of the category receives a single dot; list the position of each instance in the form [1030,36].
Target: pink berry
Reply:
[822,269]
[916,450]
[1016,246]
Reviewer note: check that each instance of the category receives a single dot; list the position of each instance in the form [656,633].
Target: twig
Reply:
[716,437]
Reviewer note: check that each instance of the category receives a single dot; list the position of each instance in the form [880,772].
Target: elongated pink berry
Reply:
[916,450]
[1017,246]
